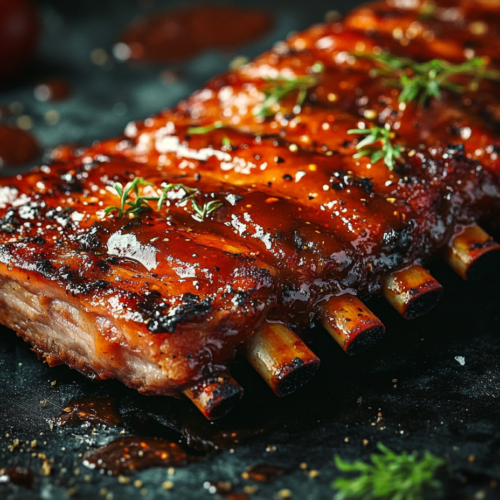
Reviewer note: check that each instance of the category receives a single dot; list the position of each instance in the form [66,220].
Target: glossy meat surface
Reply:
[166,297]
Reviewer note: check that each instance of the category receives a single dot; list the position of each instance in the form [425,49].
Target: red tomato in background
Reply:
[18,36]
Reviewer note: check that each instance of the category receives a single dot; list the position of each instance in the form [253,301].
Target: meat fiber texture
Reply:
[265,212]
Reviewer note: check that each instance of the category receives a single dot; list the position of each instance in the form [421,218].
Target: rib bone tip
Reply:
[352,325]
[472,253]
[215,396]
[412,291]
[281,358]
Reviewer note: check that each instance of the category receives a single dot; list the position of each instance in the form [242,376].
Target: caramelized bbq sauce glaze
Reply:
[297,223]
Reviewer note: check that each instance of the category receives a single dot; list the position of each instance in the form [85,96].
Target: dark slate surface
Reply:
[409,392]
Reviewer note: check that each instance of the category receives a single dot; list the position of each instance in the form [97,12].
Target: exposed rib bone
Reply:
[353,326]
[281,358]
[472,253]
[412,291]
[216,396]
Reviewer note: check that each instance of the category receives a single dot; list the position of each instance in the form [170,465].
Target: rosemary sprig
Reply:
[206,209]
[367,146]
[139,203]
[389,476]
[205,129]
[276,89]
[421,81]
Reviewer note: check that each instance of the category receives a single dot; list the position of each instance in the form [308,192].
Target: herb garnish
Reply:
[278,88]
[205,129]
[139,203]
[206,209]
[391,477]
[386,150]
[421,81]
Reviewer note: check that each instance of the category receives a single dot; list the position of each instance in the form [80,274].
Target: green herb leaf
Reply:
[389,476]
[205,129]
[206,209]
[368,146]
[138,203]
[421,81]
[276,89]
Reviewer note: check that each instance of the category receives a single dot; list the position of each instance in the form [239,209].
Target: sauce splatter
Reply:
[93,410]
[264,473]
[17,146]
[186,31]
[136,453]
[20,476]
[19,30]
[53,89]
[218,487]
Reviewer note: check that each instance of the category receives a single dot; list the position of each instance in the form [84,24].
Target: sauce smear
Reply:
[17,146]
[53,89]
[264,473]
[136,453]
[93,410]
[186,31]
[17,475]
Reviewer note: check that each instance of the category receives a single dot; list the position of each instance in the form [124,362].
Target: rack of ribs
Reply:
[328,170]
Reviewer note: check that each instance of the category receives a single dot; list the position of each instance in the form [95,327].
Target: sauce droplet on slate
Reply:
[136,453]
[17,475]
[17,146]
[92,410]
[53,89]
[264,473]
[186,31]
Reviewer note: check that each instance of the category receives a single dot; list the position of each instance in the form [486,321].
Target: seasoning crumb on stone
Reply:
[167,485]
[285,493]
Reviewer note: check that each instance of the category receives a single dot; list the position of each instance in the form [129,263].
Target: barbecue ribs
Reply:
[253,209]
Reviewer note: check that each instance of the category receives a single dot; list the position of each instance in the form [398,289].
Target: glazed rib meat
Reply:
[265,213]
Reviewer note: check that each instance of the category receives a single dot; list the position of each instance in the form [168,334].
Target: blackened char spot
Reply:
[38,240]
[191,307]
[79,286]
[69,187]
[103,266]
[9,221]
[341,179]
[91,240]
[45,268]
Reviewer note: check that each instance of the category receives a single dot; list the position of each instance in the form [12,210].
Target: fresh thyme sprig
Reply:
[421,81]
[206,209]
[276,89]
[389,476]
[368,146]
[205,129]
[139,203]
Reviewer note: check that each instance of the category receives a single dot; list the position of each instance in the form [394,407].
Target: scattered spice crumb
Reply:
[285,493]
[167,485]
[250,490]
